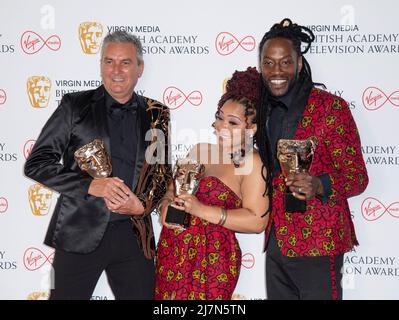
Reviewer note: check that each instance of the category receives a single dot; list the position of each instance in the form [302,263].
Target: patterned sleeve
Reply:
[156,175]
[349,177]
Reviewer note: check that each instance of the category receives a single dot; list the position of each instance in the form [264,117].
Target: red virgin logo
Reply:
[34,259]
[248,260]
[373,209]
[3,96]
[32,42]
[3,204]
[174,98]
[226,43]
[374,98]
[28,148]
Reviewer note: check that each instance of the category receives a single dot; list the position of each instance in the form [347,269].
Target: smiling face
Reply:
[280,65]
[231,125]
[120,70]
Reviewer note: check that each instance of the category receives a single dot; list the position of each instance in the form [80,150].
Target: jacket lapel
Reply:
[291,121]
[100,117]
[142,126]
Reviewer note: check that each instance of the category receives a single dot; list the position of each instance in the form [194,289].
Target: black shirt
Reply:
[281,107]
[121,120]
[279,111]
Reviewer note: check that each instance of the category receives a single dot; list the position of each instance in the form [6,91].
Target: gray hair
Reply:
[121,36]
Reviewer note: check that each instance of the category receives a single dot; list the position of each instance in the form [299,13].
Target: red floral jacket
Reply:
[324,229]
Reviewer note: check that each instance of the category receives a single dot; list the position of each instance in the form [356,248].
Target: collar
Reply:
[114,107]
[286,101]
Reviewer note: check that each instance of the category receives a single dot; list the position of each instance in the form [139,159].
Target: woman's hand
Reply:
[189,203]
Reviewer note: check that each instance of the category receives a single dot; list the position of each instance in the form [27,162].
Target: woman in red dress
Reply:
[203,261]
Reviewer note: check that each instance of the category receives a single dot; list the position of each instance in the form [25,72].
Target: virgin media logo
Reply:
[248,260]
[34,259]
[373,209]
[3,204]
[374,98]
[174,98]
[226,43]
[31,42]
[3,97]
[28,147]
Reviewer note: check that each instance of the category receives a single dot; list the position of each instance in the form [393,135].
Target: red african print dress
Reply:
[202,262]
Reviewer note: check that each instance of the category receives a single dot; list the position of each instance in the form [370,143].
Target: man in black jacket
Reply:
[102,224]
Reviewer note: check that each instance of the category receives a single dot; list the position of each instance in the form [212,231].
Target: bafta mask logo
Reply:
[90,34]
[238,296]
[38,88]
[39,199]
[39,295]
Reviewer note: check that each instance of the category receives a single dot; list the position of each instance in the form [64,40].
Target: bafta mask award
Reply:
[94,159]
[186,176]
[295,156]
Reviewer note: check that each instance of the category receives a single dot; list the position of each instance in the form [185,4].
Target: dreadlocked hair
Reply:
[263,143]
[298,35]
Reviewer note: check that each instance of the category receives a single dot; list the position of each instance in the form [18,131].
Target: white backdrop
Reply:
[191,48]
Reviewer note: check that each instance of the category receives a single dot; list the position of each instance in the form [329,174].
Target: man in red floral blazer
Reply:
[305,249]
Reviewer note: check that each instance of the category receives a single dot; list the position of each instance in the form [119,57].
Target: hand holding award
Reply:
[186,176]
[294,156]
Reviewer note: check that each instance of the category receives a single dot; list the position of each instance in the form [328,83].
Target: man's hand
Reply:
[304,185]
[117,196]
[112,189]
[132,206]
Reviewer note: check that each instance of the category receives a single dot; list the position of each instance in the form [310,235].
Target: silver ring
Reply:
[300,190]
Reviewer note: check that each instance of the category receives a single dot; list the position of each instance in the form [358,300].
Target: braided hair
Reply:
[243,87]
[297,35]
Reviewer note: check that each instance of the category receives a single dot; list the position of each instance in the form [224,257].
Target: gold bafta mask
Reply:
[94,159]
[38,88]
[295,156]
[39,199]
[186,176]
[90,34]
[187,173]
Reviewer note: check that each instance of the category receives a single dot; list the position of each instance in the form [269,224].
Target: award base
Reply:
[176,216]
[293,204]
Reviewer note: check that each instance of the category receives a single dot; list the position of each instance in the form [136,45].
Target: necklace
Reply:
[237,157]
